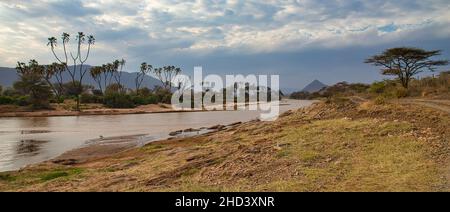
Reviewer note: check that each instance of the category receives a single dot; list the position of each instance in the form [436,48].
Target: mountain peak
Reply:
[314,86]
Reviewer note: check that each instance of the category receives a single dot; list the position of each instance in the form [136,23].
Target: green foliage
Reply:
[32,83]
[145,100]
[72,88]
[118,100]
[163,95]
[22,100]
[54,175]
[114,89]
[6,100]
[11,92]
[405,63]
[58,100]
[377,87]
[14,100]
[91,99]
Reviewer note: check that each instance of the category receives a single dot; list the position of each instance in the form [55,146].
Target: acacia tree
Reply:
[166,74]
[140,75]
[405,62]
[76,72]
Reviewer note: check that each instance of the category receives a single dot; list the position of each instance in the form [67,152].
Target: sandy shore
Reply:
[11,111]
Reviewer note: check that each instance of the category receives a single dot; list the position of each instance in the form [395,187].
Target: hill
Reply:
[314,86]
[8,76]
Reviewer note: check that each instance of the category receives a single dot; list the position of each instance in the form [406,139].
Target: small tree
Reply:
[405,63]
[32,83]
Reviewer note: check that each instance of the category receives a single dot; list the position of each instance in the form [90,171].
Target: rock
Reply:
[66,162]
[217,127]
[191,130]
[235,124]
[175,133]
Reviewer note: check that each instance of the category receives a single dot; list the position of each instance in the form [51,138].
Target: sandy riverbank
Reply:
[92,109]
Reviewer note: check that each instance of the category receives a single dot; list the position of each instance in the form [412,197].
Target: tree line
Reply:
[42,84]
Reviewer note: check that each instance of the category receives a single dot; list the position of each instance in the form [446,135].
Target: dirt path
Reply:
[442,105]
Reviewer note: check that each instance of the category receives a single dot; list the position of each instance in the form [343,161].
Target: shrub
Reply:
[91,99]
[117,100]
[22,100]
[6,100]
[145,100]
[380,100]
[58,100]
[401,92]
[11,92]
[377,87]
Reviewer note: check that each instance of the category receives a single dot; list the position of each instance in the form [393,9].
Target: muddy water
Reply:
[25,141]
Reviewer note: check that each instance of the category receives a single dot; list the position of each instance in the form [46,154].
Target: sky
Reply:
[300,40]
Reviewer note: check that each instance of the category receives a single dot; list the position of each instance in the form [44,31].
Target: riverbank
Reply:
[88,110]
[336,146]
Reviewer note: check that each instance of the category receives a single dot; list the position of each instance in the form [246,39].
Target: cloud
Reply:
[169,31]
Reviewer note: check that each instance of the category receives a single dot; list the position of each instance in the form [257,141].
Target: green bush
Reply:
[377,87]
[91,99]
[145,100]
[17,100]
[118,100]
[22,101]
[6,100]
[58,100]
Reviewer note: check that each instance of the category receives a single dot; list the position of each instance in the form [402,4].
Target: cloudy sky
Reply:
[301,40]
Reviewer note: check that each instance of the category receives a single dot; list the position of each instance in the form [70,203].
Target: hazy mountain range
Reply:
[8,76]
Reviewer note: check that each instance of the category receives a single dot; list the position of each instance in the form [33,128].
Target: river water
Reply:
[25,141]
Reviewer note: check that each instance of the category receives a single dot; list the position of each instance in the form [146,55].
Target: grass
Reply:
[34,177]
[343,155]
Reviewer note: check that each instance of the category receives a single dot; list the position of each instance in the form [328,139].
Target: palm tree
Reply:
[96,74]
[140,76]
[77,57]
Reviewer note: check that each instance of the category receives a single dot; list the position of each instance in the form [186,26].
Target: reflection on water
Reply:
[25,141]
[29,147]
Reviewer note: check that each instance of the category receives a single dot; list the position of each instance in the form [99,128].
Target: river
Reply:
[25,141]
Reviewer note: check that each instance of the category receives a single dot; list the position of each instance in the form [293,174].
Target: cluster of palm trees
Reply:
[104,74]
[166,75]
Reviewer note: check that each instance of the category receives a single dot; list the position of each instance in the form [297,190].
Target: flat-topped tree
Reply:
[406,62]
[77,58]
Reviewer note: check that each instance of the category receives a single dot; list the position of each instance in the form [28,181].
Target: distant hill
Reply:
[8,76]
[314,86]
